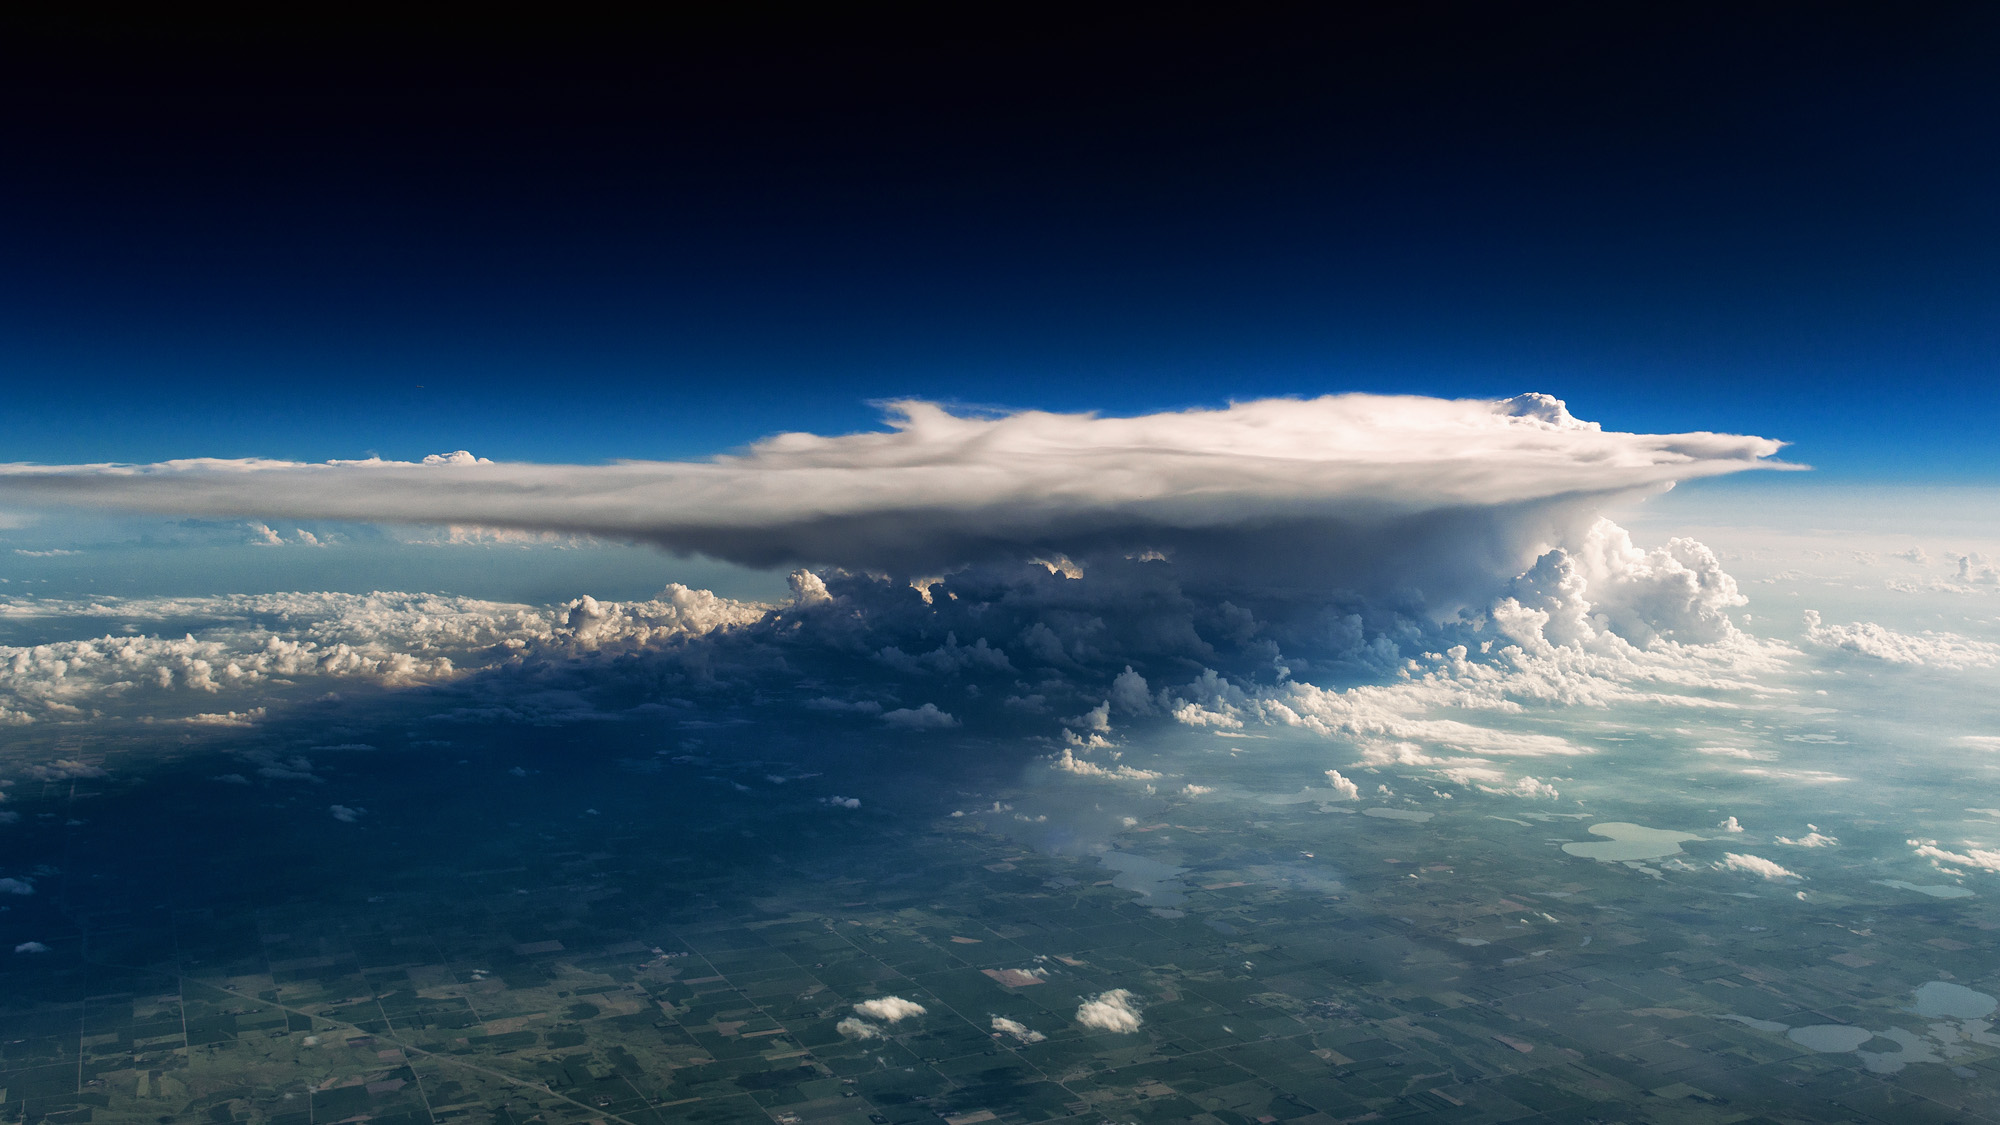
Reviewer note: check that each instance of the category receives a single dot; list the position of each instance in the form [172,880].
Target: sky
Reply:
[313,242]
[846,433]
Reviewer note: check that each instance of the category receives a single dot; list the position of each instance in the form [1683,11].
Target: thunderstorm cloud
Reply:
[1359,491]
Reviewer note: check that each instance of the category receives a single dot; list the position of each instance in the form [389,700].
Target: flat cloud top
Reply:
[941,489]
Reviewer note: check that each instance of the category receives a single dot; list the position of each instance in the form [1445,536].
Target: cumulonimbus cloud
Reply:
[1351,491]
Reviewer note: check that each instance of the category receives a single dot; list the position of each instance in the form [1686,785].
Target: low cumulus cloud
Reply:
[887,1009]
[890,1009]
[927,717]
[1017,1029]
[858,1029]
[1928,648]
[1972,856]
[247,645]
[1754,865]
[1109,1011]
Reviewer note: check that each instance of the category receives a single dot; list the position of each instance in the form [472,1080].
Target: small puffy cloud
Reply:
[238,719]
[31,947]
[262,535]
[1975,570]
[1813,838]
[1109,1011]
[927,717]
[1129,693]
[1347,790]
[63,769]
[346,814]
[1754,865]
[889,1009]
[852,1028]
[840,802]
[1097,719]
[1928,649]
[1083,767]
[1017,1029]
[1730,824]
[1527,787]
[297,768]
[1193,790]
[13,886]
[808,588]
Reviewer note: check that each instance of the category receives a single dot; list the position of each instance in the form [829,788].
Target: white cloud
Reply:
[13,886]
[1193,790]
[1730,824]
[1754,865]
[257,644]
[1931,649]
[1365,492]
[1738,752]
[1527,787]
[927,717]
[1806,777]
[239,719]
[1017,1029]
[63,769]
[852,1028]
[1109,1011]
[1985,859]
[1557,648]
[1813,838]
[31,947]
[456,457]
[1347,790]
[889,1009]
[345,814]
[1973,570]
[1082,767]
[840,802]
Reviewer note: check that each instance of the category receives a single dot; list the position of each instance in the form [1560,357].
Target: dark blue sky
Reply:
[321,241]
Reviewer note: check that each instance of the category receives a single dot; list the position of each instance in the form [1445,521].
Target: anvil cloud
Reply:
[1352,491]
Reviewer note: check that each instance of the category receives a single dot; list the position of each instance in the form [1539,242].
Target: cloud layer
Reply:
[1356,491]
